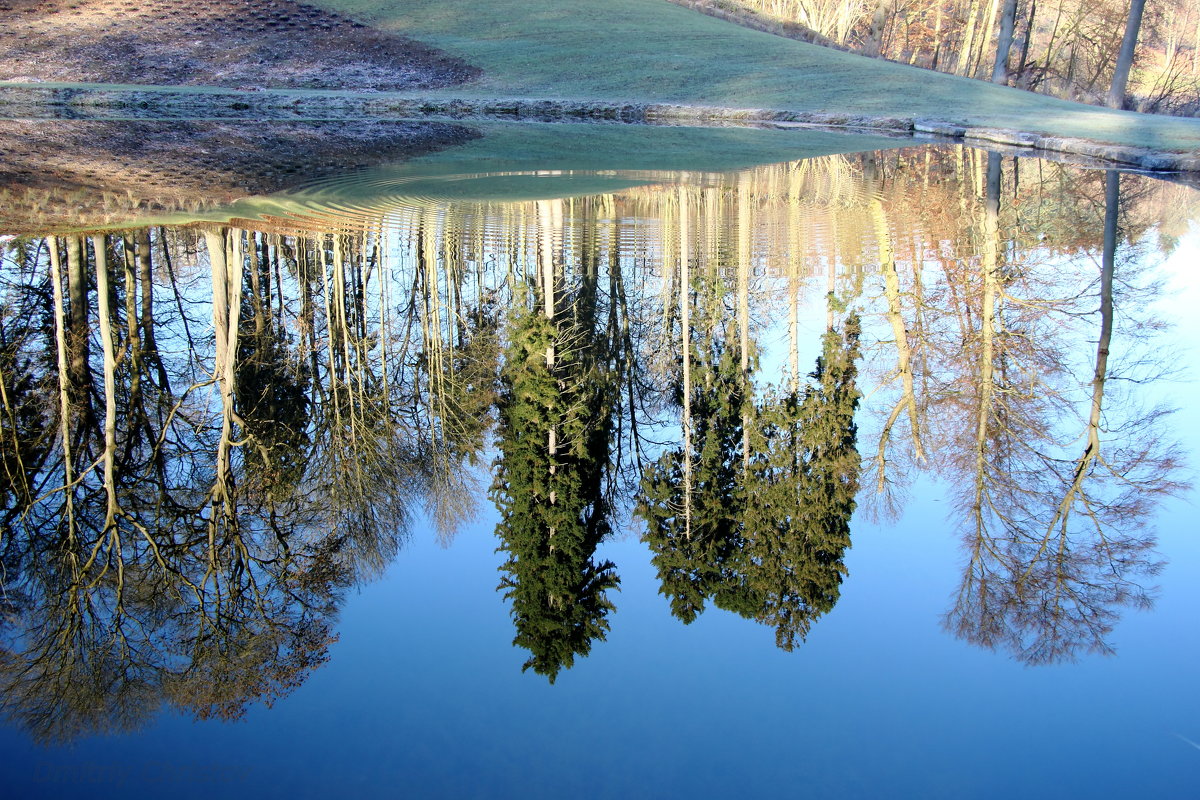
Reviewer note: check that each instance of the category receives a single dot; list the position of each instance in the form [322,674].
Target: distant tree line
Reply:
[1074,49]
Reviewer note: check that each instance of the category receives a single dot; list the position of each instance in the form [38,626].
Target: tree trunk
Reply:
[1116,95]
[745,253]
[61,336]
[1091,449]
[1112,194]
[1026,41]
[968,43]
[105,321]
[77,326]
[937,37]
[685,324]
[986,39]
[873,45]
[987,337]
[1008,22]
[904,359]
[225,260]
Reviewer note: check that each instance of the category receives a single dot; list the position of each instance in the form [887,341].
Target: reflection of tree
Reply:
[1065,544]
[104,657]
[181,512]
[456,374]
[983,293]
[25,440]
[554,435]
[800,494]
[184,530]
[752,510]
[766,543]
[691,498]
[272,383]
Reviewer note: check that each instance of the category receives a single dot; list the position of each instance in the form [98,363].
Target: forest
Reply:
[1065,48]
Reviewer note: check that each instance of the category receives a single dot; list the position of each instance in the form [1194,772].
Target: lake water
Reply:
[599,462]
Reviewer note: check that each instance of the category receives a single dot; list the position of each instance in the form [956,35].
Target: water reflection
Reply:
[209,433]
[560,391]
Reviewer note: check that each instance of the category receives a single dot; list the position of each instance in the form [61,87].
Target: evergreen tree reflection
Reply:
[767,544]
[555,429]
[207,435]
[752,510]
[801,490]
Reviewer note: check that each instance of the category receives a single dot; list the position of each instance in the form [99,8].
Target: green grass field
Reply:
[654,51]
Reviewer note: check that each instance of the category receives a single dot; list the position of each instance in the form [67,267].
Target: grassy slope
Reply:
[636,51]
[651,50]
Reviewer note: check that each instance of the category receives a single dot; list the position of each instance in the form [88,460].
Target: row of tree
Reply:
[1067,48]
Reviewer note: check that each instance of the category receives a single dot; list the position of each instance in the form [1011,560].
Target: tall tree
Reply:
[555,427]
[1008,22]
[1133,23]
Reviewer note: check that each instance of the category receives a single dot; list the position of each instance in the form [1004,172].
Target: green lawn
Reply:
[652,50]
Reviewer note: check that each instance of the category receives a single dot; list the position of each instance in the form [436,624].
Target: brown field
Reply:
[245,44]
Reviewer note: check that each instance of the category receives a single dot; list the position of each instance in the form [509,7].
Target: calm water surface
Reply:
[861,475]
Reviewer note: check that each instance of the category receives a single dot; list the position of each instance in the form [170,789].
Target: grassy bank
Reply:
[653,51]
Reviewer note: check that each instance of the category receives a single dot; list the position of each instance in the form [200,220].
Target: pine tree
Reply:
[697,555]
[766,542]
[553,511]
[800,492]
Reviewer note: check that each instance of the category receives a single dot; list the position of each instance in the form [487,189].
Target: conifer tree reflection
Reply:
[555,428]
[767,544]
[752,510]
[692,496]
[182,510]
[801,490]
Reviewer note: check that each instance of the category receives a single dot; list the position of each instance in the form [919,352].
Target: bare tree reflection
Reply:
[180,530]
[208,434]
[1055,558]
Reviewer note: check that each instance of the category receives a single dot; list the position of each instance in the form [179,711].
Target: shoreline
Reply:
[57,102]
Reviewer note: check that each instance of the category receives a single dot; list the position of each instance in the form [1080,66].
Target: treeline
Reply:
[1065,48]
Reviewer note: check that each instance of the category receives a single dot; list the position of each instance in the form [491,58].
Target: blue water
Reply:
[423,695]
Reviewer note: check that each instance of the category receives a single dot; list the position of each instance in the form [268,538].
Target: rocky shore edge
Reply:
[31,101]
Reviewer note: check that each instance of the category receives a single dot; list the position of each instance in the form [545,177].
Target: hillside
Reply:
[652,51]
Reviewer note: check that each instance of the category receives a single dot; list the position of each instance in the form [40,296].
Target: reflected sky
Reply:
[423,691]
